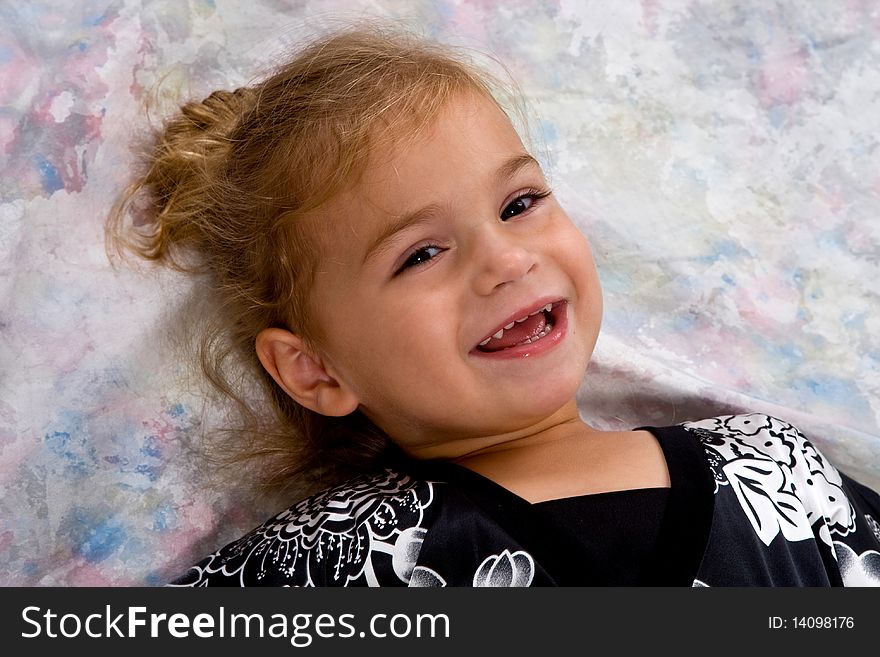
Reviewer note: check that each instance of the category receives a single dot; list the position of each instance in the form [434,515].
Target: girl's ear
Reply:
[302,374]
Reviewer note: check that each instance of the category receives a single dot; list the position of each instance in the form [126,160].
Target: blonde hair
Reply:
[230,182]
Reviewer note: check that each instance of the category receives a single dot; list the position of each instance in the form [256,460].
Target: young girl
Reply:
[389,258]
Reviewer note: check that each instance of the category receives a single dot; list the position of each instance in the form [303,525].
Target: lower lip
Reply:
[533,349]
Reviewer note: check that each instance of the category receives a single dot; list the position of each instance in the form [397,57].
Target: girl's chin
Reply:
[541,402]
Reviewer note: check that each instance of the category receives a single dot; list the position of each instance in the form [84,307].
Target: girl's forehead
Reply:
[469,130]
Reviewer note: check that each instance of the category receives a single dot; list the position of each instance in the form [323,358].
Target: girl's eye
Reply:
[522,203]
[419,257]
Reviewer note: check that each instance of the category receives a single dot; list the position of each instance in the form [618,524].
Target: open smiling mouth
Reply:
[521,336]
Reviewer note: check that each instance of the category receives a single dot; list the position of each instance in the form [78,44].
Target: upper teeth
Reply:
[497,336]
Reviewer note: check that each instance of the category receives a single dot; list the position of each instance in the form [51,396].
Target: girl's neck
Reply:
[563,456]
[560,426]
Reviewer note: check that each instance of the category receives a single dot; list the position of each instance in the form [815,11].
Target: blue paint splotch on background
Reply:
[151,472]
[835,391]
[724,249]
[176,410]
[76,455]
[92,536]
[49,176]
[164,516]
[151,447]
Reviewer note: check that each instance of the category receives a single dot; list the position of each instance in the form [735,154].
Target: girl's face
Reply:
[455,297]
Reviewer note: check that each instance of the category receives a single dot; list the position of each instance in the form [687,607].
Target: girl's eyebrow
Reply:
[513,166]
[398,224]
[505,172]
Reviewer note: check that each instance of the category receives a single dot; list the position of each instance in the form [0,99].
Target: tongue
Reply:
[531,327]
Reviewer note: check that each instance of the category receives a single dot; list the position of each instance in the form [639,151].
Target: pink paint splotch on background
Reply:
[52,74]
[784,75]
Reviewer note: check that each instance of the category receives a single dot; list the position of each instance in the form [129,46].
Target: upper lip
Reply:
[520,314]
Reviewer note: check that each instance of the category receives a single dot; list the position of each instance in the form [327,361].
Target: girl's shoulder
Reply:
[744,450]
[332,538]
[786,486]
[757,429]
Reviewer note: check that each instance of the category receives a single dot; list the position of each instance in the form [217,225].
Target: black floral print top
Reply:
[752,503]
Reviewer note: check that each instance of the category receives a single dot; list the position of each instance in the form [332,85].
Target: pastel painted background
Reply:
[722,156]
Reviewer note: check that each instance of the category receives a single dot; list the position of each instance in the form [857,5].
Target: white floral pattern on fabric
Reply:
[406,552]
[858,569]
[424,577]
[760,488]
[334,534]
[782,482]
[506,570]
[873,525]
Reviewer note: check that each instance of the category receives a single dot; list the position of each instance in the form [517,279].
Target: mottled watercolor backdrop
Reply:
[722,157]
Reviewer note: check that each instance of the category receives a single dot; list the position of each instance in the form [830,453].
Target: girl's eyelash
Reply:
[412,260]
[531,193]
[536,193]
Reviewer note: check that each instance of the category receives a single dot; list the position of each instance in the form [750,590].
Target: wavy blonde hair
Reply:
[229,183]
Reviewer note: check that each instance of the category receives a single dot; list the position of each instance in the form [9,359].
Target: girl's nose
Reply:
[500,258]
